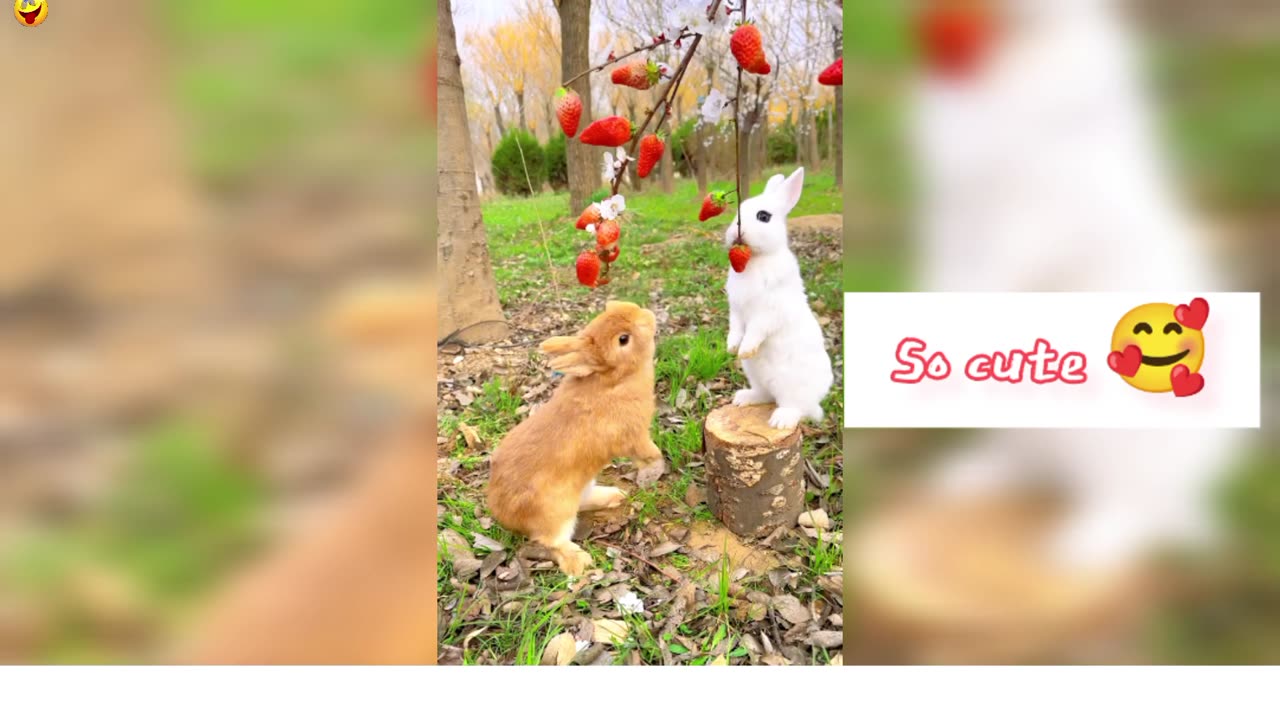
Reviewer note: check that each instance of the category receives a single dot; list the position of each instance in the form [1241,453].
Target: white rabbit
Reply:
[1043,173]
[771,327]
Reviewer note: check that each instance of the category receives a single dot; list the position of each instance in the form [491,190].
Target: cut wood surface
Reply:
[755,473]
[934,583]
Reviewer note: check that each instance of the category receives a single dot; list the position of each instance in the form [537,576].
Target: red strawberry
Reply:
[748,49]
[568,107]
[590,216]
[607,233]
[612,131]
[955,35]
[610,254]
[739,254]
[588,267]
[712,205]
[834,74]
[651,147]
[640,74]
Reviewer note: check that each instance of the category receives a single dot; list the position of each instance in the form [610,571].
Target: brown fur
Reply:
[603,409]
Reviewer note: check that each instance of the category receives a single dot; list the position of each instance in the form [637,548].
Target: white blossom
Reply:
[607,170]
[591,228]
[613,207]
[835,13]
[630,603]
[713,107]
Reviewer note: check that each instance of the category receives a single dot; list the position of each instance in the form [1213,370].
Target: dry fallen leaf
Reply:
[608,631]
[471,436]
[815,519]
[561,650]
[720,660]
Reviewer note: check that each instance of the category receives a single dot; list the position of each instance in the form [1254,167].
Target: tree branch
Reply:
[620,58]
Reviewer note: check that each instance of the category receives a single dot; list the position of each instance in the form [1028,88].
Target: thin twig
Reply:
[620,58]
[546,248]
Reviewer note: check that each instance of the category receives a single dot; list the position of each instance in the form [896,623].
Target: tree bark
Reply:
[468,293]
[755,473]
[575,46]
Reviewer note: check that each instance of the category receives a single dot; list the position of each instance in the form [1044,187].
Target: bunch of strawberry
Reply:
[600,219]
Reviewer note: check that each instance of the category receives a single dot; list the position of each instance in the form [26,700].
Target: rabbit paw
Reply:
[732,342]
[750,396]
[746,353]
[599,498]
[785,418]
[649,474]
[573,560]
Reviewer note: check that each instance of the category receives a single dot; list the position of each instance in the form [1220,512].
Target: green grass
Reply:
[527,236]
[261,83]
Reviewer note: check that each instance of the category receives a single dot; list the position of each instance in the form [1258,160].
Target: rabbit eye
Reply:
[764,216]
[624,339]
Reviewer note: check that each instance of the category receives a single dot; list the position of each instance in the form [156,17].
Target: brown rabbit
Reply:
[543,472]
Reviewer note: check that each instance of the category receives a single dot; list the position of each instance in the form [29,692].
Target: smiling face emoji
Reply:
[1160,343]
[30,12]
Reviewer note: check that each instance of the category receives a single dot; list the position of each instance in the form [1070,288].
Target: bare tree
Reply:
[469,307]
[575,48]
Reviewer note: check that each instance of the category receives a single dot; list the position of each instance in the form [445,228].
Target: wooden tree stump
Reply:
[755,473]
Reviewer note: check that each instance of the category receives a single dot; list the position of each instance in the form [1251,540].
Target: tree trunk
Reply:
[575,42]
[811,141]
[469,296]
[502,128]
[755,473]
[837,133]
[524,122]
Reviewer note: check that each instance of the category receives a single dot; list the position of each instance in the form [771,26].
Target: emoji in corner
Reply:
[1159,347]
[30,12]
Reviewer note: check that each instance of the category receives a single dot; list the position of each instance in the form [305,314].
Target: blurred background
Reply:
[1213,68]
[208,203]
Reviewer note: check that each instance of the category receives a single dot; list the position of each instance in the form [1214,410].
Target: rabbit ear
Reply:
[773,184]
[570,356]
[560,345]
[789,190]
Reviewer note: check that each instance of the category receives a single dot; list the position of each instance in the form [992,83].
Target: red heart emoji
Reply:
[1185,382]
[1126,363]
[1193,315]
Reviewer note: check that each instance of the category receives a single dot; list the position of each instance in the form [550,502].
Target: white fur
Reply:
[769,316]
[1044,174]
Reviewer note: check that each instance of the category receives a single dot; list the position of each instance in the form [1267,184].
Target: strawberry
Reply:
[833,75]
[568,107]
[612,131]
[739,254]
[651,147]
[748,49]
[588,267]
[607,233]
[640,74]
[610,254]
[712,205]
[955,36]
[590,216]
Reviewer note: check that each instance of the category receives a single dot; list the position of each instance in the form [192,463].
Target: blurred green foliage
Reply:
[519,165]
[557,161]
[262,82]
